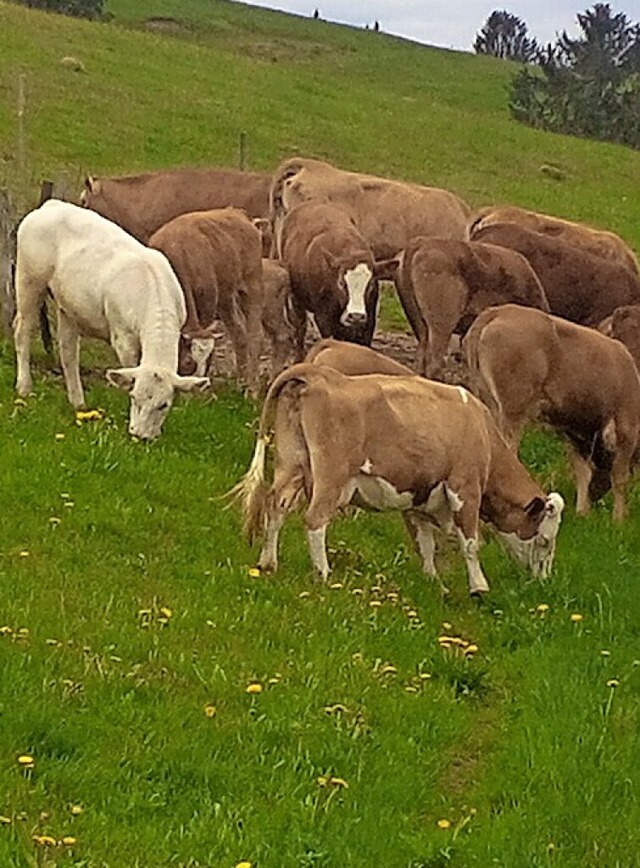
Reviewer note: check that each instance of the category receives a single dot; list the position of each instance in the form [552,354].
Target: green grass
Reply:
[523,747]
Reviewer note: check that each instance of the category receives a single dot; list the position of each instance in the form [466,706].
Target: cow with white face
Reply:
[333,273]
[430,451]
[106,285]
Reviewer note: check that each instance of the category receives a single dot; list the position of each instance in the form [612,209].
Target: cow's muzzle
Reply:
[353,320]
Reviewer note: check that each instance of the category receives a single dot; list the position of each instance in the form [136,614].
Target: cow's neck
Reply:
[159,337]
[509,490]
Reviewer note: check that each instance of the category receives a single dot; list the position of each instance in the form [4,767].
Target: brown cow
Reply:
[354,360]
[579,285]
[333,272]
[141,204]
[281,321]
[605,244]
[531,365]
[387,213]
[217,257]
[444,284]
[624,325]
[429,450]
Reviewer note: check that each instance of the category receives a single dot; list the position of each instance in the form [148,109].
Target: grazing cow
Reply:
[624,325]
[141,204]
[531,365]
[579,285]
[605,244]
[217,256]
[428,450]
[281,321]
[444,284]
[387,213]
[106,285]
[333,272]
[353,360]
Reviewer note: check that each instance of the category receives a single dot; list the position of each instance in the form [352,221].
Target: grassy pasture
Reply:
[130,626]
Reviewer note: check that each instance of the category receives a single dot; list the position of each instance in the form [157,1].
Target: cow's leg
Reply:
[235,325]
[465,504]
[254,336]
[324,504]
[582,473]
[29,297]
[283,498]
[624,442]
[69,345]
[421,532]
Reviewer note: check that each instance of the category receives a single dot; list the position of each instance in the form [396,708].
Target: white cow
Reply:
[105,285]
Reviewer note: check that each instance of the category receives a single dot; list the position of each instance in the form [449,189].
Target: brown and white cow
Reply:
[281,321]
[384,443]
[579,285]
[333,272]
[217,257]
[600,242]
[624,325]
[141,204]
[444,284]
[387,213]
[530,365]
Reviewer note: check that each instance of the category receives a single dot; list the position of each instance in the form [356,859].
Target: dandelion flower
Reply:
[443,824]
[388,669]
[357,592]
[336,586]
[26,761]
[411,613]
[20,402]
[304,594]
[447,626]
[244,865]
[470,649]
[411,689]
[6,630]
[542,608]
[254,573]
[210,710]
[338,782]
[375,604]
[60,436]
[166,612]
[24,553]
[613,682]
[88,415]
[45,840]
[68,840]
[576,617]
[254,687]
[5,821]
[76,810]
[605,653]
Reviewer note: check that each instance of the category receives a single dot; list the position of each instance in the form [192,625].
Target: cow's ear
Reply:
[91,184]
[535,508]
[122,378]
[385,269]
[192,384]
[262,224]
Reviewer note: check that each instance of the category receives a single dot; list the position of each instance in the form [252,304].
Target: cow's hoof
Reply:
[478,596]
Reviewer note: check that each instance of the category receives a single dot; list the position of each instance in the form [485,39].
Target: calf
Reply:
[444,284]
[107,285]
[217,256]
[530,365]
[354,360]
[333,273]
[282,322]
[580,286]
[431,451]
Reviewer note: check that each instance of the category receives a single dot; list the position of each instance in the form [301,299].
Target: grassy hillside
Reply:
[130,623]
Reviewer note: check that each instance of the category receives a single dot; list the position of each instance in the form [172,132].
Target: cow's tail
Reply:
[252,490]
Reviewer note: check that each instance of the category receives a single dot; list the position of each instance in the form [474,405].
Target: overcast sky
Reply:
[450,23]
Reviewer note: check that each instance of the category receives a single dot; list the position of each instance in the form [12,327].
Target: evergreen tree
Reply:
[505,35]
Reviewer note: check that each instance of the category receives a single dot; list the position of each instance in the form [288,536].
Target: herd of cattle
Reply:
[550,309]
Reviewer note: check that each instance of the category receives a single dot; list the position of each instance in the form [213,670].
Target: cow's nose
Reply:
[353,319]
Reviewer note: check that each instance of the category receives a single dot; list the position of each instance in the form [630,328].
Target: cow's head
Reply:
[151,391]
[529,533]
[194,352]
[358,287]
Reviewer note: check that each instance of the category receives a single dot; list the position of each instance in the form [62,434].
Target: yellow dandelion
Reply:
[5,821]
[443,824]
[166,612]
[338,783]
[6,630]
[425,676]
[45,840]
[68,841]
[576,617]
[210,710]
[254,687]
[24,553]
[76,810]
[88,415]
[411,689]
[605,653]
[244,865]
[393,596]
[254,573]
[26,761]
[323,780]
[304,594]
[388,669]
[336,709]
[542,608]
[54,520]
[357,592]
[447,626]
[375,604]
[20,402]
[613,682]
[336,586]
[470,649]
[60,436]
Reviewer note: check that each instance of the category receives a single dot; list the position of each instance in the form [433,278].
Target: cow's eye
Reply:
[164,406]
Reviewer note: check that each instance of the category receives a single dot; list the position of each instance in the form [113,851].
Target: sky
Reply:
[450,23]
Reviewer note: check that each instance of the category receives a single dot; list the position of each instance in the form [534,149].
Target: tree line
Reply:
[588,86]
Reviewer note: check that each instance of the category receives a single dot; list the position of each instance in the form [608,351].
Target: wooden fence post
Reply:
[7,257]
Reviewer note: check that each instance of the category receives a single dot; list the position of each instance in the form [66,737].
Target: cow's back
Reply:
[141,204]
[354,360]
[579,286]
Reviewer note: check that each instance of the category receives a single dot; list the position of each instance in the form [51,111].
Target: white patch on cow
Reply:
[357,280]
[427,547]
[316,540]
[609,436]
[537,554]
[379,494]
[455,501]
[477,581]
[201,350]
[366,467]
[463,394]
